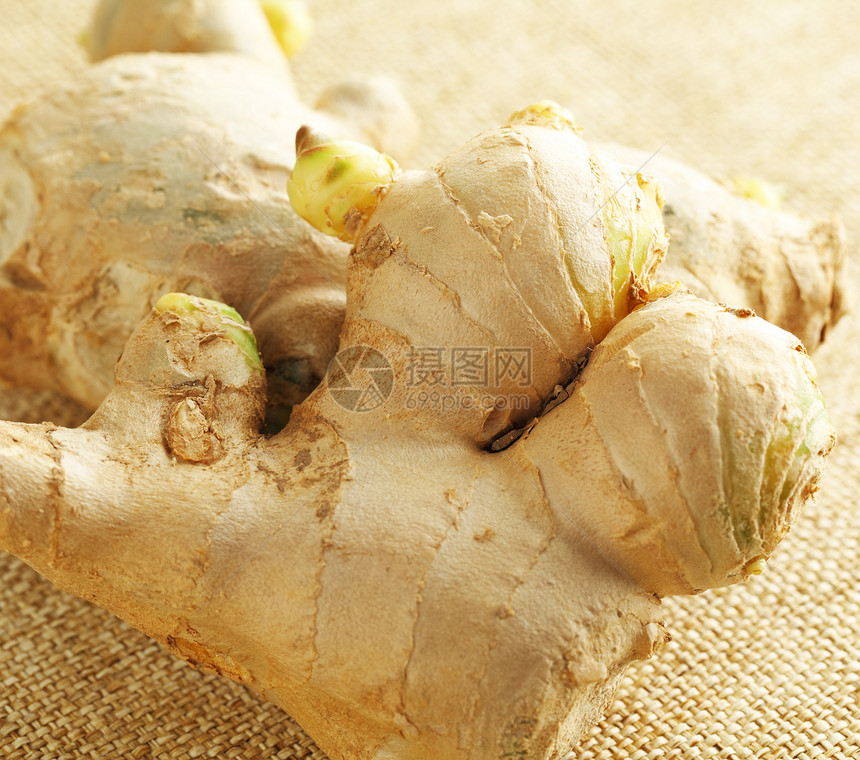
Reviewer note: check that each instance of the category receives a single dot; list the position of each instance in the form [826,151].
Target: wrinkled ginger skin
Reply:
[155,173]
[403,594]
[737,416]
[535,264]
[401,591]
[735,250]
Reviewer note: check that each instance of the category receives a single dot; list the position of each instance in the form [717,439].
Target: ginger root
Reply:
[400,590]
[266,30]
[158,172]
[730,248]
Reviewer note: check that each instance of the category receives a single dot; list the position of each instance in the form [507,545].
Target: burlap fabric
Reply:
[768,670]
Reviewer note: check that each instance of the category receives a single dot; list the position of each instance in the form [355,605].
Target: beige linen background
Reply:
[768,670]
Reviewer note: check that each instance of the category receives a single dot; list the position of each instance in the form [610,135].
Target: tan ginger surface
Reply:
[738,251]
[181,26]
[153,173]
[159,172]
[400,591]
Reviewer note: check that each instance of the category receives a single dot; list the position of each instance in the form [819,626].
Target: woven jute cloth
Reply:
[770,669]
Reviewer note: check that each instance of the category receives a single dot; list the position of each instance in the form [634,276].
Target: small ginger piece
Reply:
[250,27]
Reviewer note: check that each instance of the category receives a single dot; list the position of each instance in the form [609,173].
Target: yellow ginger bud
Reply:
[336,185]
[756,567]
[291,23]
[546,113]
[631,235]
[766,193]
[230,321]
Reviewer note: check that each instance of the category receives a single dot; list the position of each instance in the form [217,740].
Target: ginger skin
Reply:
[732,249]
[248,27]
[165,171]
[100,221]
[401,591]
